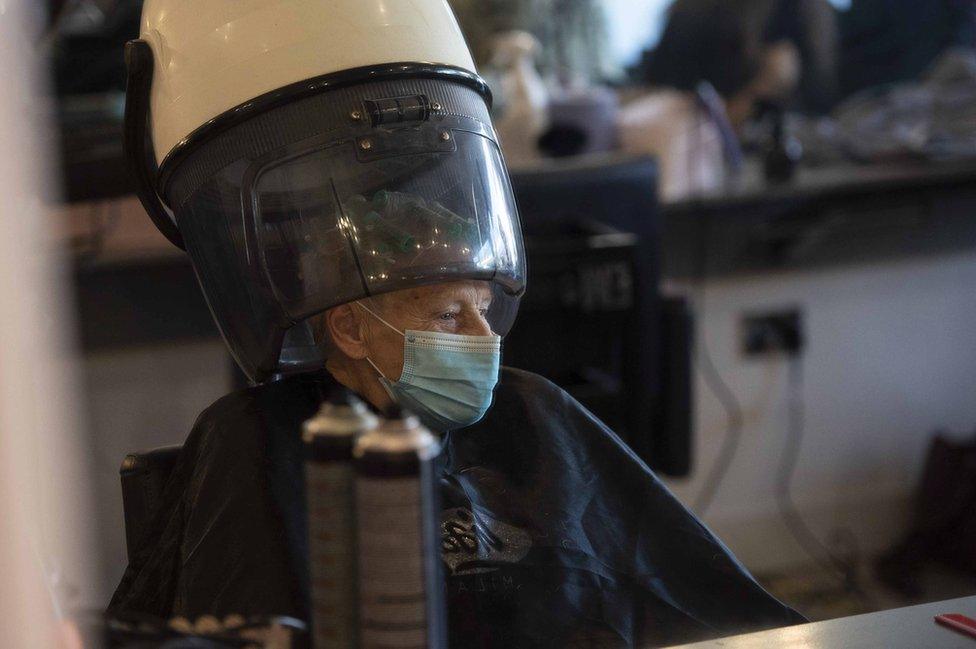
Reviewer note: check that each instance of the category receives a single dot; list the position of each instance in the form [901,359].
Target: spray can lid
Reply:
[343,414]
[400,431]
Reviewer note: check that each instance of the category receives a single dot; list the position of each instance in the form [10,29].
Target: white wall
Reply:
[890,356]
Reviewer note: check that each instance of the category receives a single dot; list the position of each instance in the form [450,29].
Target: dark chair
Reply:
[144,476]
[593,319]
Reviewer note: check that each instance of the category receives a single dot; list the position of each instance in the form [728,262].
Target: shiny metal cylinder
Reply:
[401,598]
[329,437]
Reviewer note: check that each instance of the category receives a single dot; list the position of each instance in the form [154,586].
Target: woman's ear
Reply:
[346,330]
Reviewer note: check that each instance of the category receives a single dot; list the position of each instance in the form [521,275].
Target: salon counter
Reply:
[830,215]
[903,628]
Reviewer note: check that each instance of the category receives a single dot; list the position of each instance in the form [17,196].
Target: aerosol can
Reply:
[329,437]
[401,599]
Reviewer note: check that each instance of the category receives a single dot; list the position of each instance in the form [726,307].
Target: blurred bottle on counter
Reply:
[783,150]
[525,115]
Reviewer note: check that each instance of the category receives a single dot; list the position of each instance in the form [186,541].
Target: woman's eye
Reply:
[483,312]
[448,316]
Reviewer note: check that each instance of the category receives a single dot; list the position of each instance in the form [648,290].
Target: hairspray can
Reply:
[401,598]
[329,490]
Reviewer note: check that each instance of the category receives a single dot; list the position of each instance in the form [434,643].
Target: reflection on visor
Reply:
[396,228]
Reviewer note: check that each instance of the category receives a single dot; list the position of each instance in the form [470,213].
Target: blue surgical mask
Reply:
[447,379]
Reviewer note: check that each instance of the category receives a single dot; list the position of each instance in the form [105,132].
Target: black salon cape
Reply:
[555,533]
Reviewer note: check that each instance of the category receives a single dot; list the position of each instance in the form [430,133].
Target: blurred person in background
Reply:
[751,51]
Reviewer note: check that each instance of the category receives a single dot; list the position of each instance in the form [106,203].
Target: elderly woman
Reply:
[585,547]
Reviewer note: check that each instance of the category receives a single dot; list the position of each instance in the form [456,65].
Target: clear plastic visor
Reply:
[390,211]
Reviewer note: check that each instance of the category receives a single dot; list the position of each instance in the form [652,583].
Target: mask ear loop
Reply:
[369,360]
[383,381]
[372,313]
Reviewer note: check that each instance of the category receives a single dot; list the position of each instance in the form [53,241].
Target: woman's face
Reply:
[452,307]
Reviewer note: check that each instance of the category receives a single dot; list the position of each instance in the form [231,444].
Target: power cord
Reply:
[734,425]
[715,383]
[808,541]
[845,568]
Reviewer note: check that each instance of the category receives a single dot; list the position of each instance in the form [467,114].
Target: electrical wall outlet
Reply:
[773,332]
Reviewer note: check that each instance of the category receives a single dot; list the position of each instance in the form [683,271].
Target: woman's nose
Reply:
[476,325]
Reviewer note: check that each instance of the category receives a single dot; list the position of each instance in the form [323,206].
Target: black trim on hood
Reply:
[315,85]
[137,143]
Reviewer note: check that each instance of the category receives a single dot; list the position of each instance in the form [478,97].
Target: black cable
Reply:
[845,569]
[714,382]
[734,425]
[798,528]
